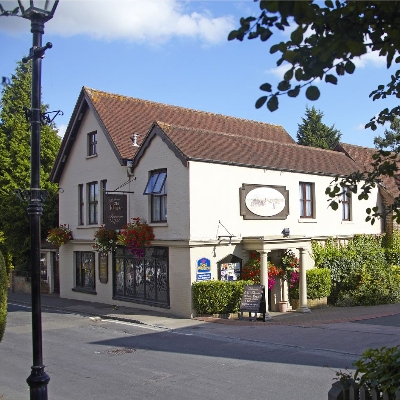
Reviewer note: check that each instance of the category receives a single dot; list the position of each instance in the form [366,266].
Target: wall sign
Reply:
[203,270]
[264,202]
[115,210]
[103,268]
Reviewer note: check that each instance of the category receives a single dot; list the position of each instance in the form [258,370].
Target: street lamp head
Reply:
[38,9]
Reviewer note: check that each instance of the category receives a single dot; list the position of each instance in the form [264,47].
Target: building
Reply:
[233,186]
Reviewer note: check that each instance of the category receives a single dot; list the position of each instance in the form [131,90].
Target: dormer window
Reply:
[156,188]
[92,144]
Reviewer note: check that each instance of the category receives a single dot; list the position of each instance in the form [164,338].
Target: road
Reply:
[89,358]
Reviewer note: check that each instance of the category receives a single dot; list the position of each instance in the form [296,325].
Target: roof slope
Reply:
[124,116]
[210,146]
[363,157]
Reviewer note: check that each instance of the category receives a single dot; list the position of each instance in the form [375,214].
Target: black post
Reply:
[38,379]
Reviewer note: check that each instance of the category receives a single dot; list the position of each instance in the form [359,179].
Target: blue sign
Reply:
[203,270]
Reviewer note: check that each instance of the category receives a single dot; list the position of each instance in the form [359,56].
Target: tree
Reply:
[391,138]
[3,296]
[313,132]
[15,167]
[324,39]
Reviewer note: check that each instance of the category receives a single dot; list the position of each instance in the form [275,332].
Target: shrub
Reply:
[360,272]
[391,245]
[217,297]
[379,369]
[3,295]
[318,284]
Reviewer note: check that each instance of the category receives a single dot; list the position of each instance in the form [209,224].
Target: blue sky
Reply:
[176,52]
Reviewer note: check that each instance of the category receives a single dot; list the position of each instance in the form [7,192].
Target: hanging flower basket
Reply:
[136,235]
[290,266]
[59,236]
[105,240]
[252,269]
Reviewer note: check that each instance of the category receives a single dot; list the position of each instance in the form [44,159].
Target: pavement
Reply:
[326,315]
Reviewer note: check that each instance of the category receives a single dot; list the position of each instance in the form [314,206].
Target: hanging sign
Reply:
[203,270]
[115,210]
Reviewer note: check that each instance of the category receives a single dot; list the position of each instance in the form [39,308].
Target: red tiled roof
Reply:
[206,145]
[363,157]
[124,116]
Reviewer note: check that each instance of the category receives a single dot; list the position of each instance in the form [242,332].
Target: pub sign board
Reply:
[264,202]
[253,299]
[115,210]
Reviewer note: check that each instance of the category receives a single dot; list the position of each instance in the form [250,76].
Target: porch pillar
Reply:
[302,284]
[264,278]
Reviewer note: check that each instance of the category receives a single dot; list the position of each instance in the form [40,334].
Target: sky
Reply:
[177,53]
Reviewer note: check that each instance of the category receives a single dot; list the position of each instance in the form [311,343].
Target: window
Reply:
[93,200]
[156,188]
[346,204]
[81,205]
[84,270]
[306,200]
[103,190]
[143,280]
[92,143]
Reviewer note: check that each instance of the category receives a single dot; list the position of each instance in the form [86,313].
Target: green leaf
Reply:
[294,92]
[232,35]
[274,48]
[329,4]
[288,75]
[283,86]
[273,103]
[297,35]
[312,93]
[349,67]
[334,205]
[265,35]
[331,79]
[266,87]
[261,101]
[340,69]
[298,74]
[271,6]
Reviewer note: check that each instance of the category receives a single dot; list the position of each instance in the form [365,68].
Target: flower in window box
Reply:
[136,235]
[59,236]
[105,240]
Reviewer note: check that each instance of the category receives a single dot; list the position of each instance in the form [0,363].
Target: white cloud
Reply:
[61,130]
[152,21]
[370,58]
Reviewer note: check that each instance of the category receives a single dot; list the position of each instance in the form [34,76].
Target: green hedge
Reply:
[364,271]
[319,284]
[3,295]
[217,297]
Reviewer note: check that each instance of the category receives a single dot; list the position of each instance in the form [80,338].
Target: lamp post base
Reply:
[37,382]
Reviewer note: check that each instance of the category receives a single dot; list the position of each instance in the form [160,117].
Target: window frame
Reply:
[307,200]
[93,203]
[92,144]
[148,281]
[156,189]
[346,204]
[81,258]
[81,205]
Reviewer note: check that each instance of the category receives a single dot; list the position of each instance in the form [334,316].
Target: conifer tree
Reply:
[15,167]
[313,132]
[391,138]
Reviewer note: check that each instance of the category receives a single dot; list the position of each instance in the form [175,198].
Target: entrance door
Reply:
[56,273]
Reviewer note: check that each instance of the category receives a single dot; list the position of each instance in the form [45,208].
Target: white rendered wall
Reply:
[214,197]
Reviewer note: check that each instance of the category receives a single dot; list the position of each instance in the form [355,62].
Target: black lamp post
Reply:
[38,14]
